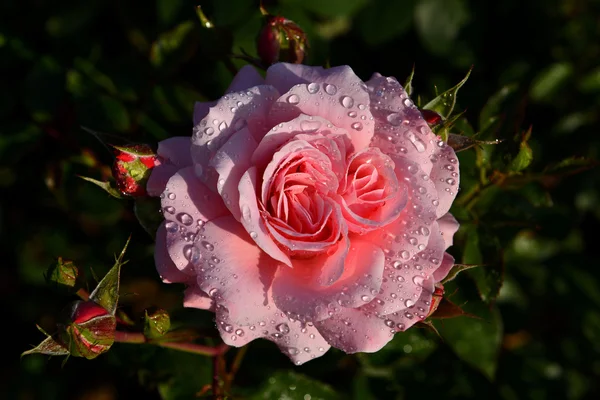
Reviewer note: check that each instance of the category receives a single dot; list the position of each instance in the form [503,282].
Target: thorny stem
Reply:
[139,338]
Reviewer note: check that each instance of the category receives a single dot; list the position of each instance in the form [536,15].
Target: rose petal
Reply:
[159,176]
[246,78]
[230,162]
[167,270]
[231,113]
[335,94]
[234,272]
[402,320]
[201,110]
[352,330]
[409,233]
[175,150]
[193,297]
[405,277]
[187,204]
[358,284]
[252,219]
[448,226]
[399,126]
[300,342]
[444,268]
[445,176]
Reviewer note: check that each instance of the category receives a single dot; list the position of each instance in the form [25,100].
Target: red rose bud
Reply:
[63,274]
[431,117]
[436,298]
[90,330]
[132,168]
[281,40]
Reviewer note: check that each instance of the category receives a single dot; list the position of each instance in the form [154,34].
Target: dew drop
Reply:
[418,280]
[246,213]
[310,126]
[389,323]
[171,196]
[212,292]
[209,131]
[352,114]
[222,126]
[330,89]
[418,143]
[293,99]
[170,209]
[192,253]
[365,298]
[347,101]
[357,125]
[253,234]
[208,246]
[409,303]
[408,102]
[228,328]
[239,332]
[172,227]
[312,88]
[394,119]
[185,219]
[283,328]
[405,254]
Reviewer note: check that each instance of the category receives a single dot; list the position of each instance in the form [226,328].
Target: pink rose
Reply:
[309,208]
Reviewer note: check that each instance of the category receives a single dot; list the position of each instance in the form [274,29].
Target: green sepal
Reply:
[48,346]
[156,324]
[107,186]
[444,103]
[106,293]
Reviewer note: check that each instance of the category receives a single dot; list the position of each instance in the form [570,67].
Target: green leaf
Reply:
[49,346]
[524,156]
[547,84]
[445,102]
[385,20]
[475,341]
[489,113]
[174,47]
[107,186]
[293,386]
[457,269]
[438,23]
[106,293]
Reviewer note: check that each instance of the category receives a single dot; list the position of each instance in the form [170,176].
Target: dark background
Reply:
[134,69]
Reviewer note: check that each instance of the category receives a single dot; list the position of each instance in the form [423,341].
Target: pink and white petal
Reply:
[409,233]
[246,78]
[358,284]
[340,106]
[252,219]
[230,162]
[445,176]
[187,204]
[159,176]
[399,126]
[193,297]
[283,76]
[353,330]
[402,320]
[231,113]
[300,342]
[404,279]
[448,226]
[176,150]
[201,110]
[232,270]
[444,268]
[300,125]
[165,267]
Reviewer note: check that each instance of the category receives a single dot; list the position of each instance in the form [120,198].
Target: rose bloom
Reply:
[309,208]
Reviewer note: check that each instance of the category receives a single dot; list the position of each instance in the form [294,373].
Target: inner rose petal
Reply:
[371,196]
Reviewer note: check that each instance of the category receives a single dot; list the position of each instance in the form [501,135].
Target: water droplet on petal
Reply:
[170,209]
[253,234]
[228,328]
[409,303]
[222,126]
[208,246]
[171,196]
[418,143]
[192,253]
[239,332]
[347,101]
[209,131]
[246,213]
[408,102]
[283,328]
[357,125]
[405,254]
[310,126]
[394,119]
[352,114]
[330,89]
[312,88]
[365,298]
[185,219]
[418,280]
[172,227]
[293,99]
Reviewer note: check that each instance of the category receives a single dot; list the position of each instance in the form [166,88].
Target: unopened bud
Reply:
[431,117]
[90,330]
[156,323]
[281,39]
[436,298]
[132,168]
[63,274]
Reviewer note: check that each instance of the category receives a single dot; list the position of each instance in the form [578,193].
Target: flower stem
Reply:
[139,338]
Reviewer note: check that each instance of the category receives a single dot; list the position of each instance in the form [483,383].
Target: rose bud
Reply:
[90,330]
[436,298]
[156,323]
[431,117]
[63,274]
[132,167]
[281,40]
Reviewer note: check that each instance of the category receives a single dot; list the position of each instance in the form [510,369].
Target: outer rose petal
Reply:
[234,272]
[231,113]
[300,342]
[444,268]
[193,297]
[167,270]
[448,227]
[230,162]
[201,109]
[358,284]
[173,154]
[445,176]
[246,78]
[402,320]
[187,204]
[252,219]
[405,278]
[353,330]
[400,127]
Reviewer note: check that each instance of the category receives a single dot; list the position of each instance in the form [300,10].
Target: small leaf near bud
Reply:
[156,323]
[106,293]
[132,168]
[281,39]
[63,274]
